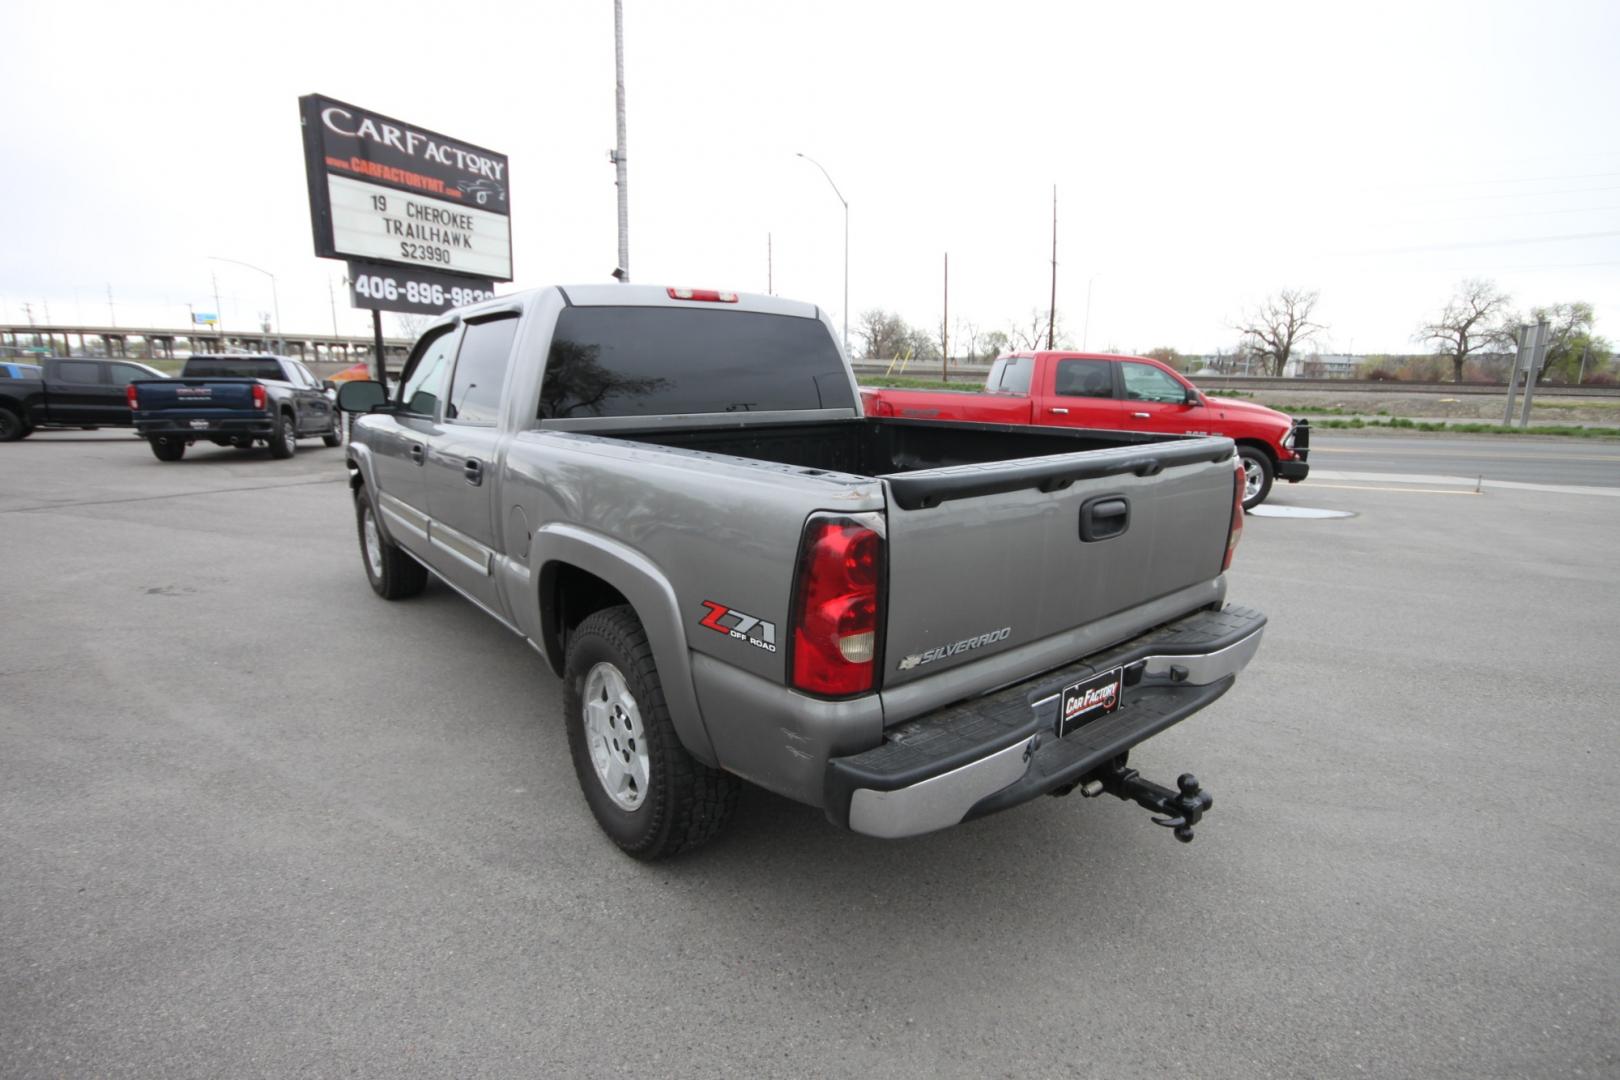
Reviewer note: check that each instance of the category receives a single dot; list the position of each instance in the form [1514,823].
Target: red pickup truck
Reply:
[1129,393]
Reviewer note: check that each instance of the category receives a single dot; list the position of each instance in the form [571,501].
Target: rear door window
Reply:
[651,361]
[1084,378]
[78,371]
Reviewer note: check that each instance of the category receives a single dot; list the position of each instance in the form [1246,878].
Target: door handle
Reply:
[1060,412]
[418,455]
[1142,415]
[473,472]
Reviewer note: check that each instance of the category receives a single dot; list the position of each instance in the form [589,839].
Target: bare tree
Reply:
[1271,332]
[1472,321]
[1030,335]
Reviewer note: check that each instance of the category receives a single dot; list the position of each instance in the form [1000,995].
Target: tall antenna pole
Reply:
[618,155]
[112,316]
[945,325]
[1051,311]
[770,262]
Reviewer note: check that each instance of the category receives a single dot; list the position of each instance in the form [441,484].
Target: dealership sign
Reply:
[386,192]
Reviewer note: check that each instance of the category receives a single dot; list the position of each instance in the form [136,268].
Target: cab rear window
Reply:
[654,361]
[232,367]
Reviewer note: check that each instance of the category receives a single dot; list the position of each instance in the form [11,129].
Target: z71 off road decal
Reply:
[733,623]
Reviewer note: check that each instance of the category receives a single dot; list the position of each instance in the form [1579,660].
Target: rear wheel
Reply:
[393,574]
[11,427]
[647,793]
[1257,474]
[284,439]
[168,448]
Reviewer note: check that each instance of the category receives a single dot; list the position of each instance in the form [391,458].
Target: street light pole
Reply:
[275,296]
[845,201]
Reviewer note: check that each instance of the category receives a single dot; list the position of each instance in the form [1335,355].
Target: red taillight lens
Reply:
[1235,533]
[259,396]
[836,607]
[129,394]
[713,296]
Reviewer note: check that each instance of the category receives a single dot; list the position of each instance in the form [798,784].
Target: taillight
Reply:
[259,396]
[129,394]
[1235,533]
[712,296]
[836,604]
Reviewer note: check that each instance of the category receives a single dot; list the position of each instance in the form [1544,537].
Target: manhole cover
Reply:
[1298,512]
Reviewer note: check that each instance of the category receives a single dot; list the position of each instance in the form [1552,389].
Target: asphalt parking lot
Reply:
[256,822]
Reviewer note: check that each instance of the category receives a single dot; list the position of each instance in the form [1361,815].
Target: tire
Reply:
[393,574]
[649,795]
[284,439]
[11,427]
[168,448]
[1257,472]
[335,436]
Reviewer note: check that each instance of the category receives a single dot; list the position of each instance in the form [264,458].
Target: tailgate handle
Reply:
[1104,517]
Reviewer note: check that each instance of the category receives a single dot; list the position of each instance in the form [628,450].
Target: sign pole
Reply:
[376,332]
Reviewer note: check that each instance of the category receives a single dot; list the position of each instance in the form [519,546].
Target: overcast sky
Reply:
[1204,154]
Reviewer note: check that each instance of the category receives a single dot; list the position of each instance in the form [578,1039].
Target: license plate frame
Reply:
[1089,699]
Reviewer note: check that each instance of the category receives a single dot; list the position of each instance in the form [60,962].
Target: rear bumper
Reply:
[259,425]
[989,753]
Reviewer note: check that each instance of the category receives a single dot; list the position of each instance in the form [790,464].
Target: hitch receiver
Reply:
[1182,809]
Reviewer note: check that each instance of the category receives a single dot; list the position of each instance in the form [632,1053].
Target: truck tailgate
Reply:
[982,559]
[194,394]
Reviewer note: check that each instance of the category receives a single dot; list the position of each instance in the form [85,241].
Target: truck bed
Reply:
[891,448]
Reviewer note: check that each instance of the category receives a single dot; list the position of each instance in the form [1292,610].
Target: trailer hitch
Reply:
[1182,809]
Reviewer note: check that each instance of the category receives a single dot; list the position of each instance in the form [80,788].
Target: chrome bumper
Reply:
[989,753]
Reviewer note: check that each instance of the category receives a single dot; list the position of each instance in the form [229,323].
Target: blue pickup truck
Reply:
[235,401]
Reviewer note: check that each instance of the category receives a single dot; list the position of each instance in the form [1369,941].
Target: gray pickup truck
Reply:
[673,496]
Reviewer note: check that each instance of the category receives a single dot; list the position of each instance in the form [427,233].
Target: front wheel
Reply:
[335,436]
[649,795]
[393,574]
[1257,474]
[168,448]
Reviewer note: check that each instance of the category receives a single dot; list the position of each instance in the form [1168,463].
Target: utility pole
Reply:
[622,271]
[770,262]
[1051,311]
[28,309]
[112,315]
[219,312]
[331,298]
[1585,348]
[945,326]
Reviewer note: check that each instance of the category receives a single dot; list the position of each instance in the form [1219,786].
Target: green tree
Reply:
[1569,340]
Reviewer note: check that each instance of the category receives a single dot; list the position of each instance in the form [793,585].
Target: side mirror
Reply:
[329,384]
[361,396]
[1192,397]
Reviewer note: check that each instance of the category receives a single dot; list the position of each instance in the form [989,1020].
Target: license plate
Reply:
[200,424]
[1083,702]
